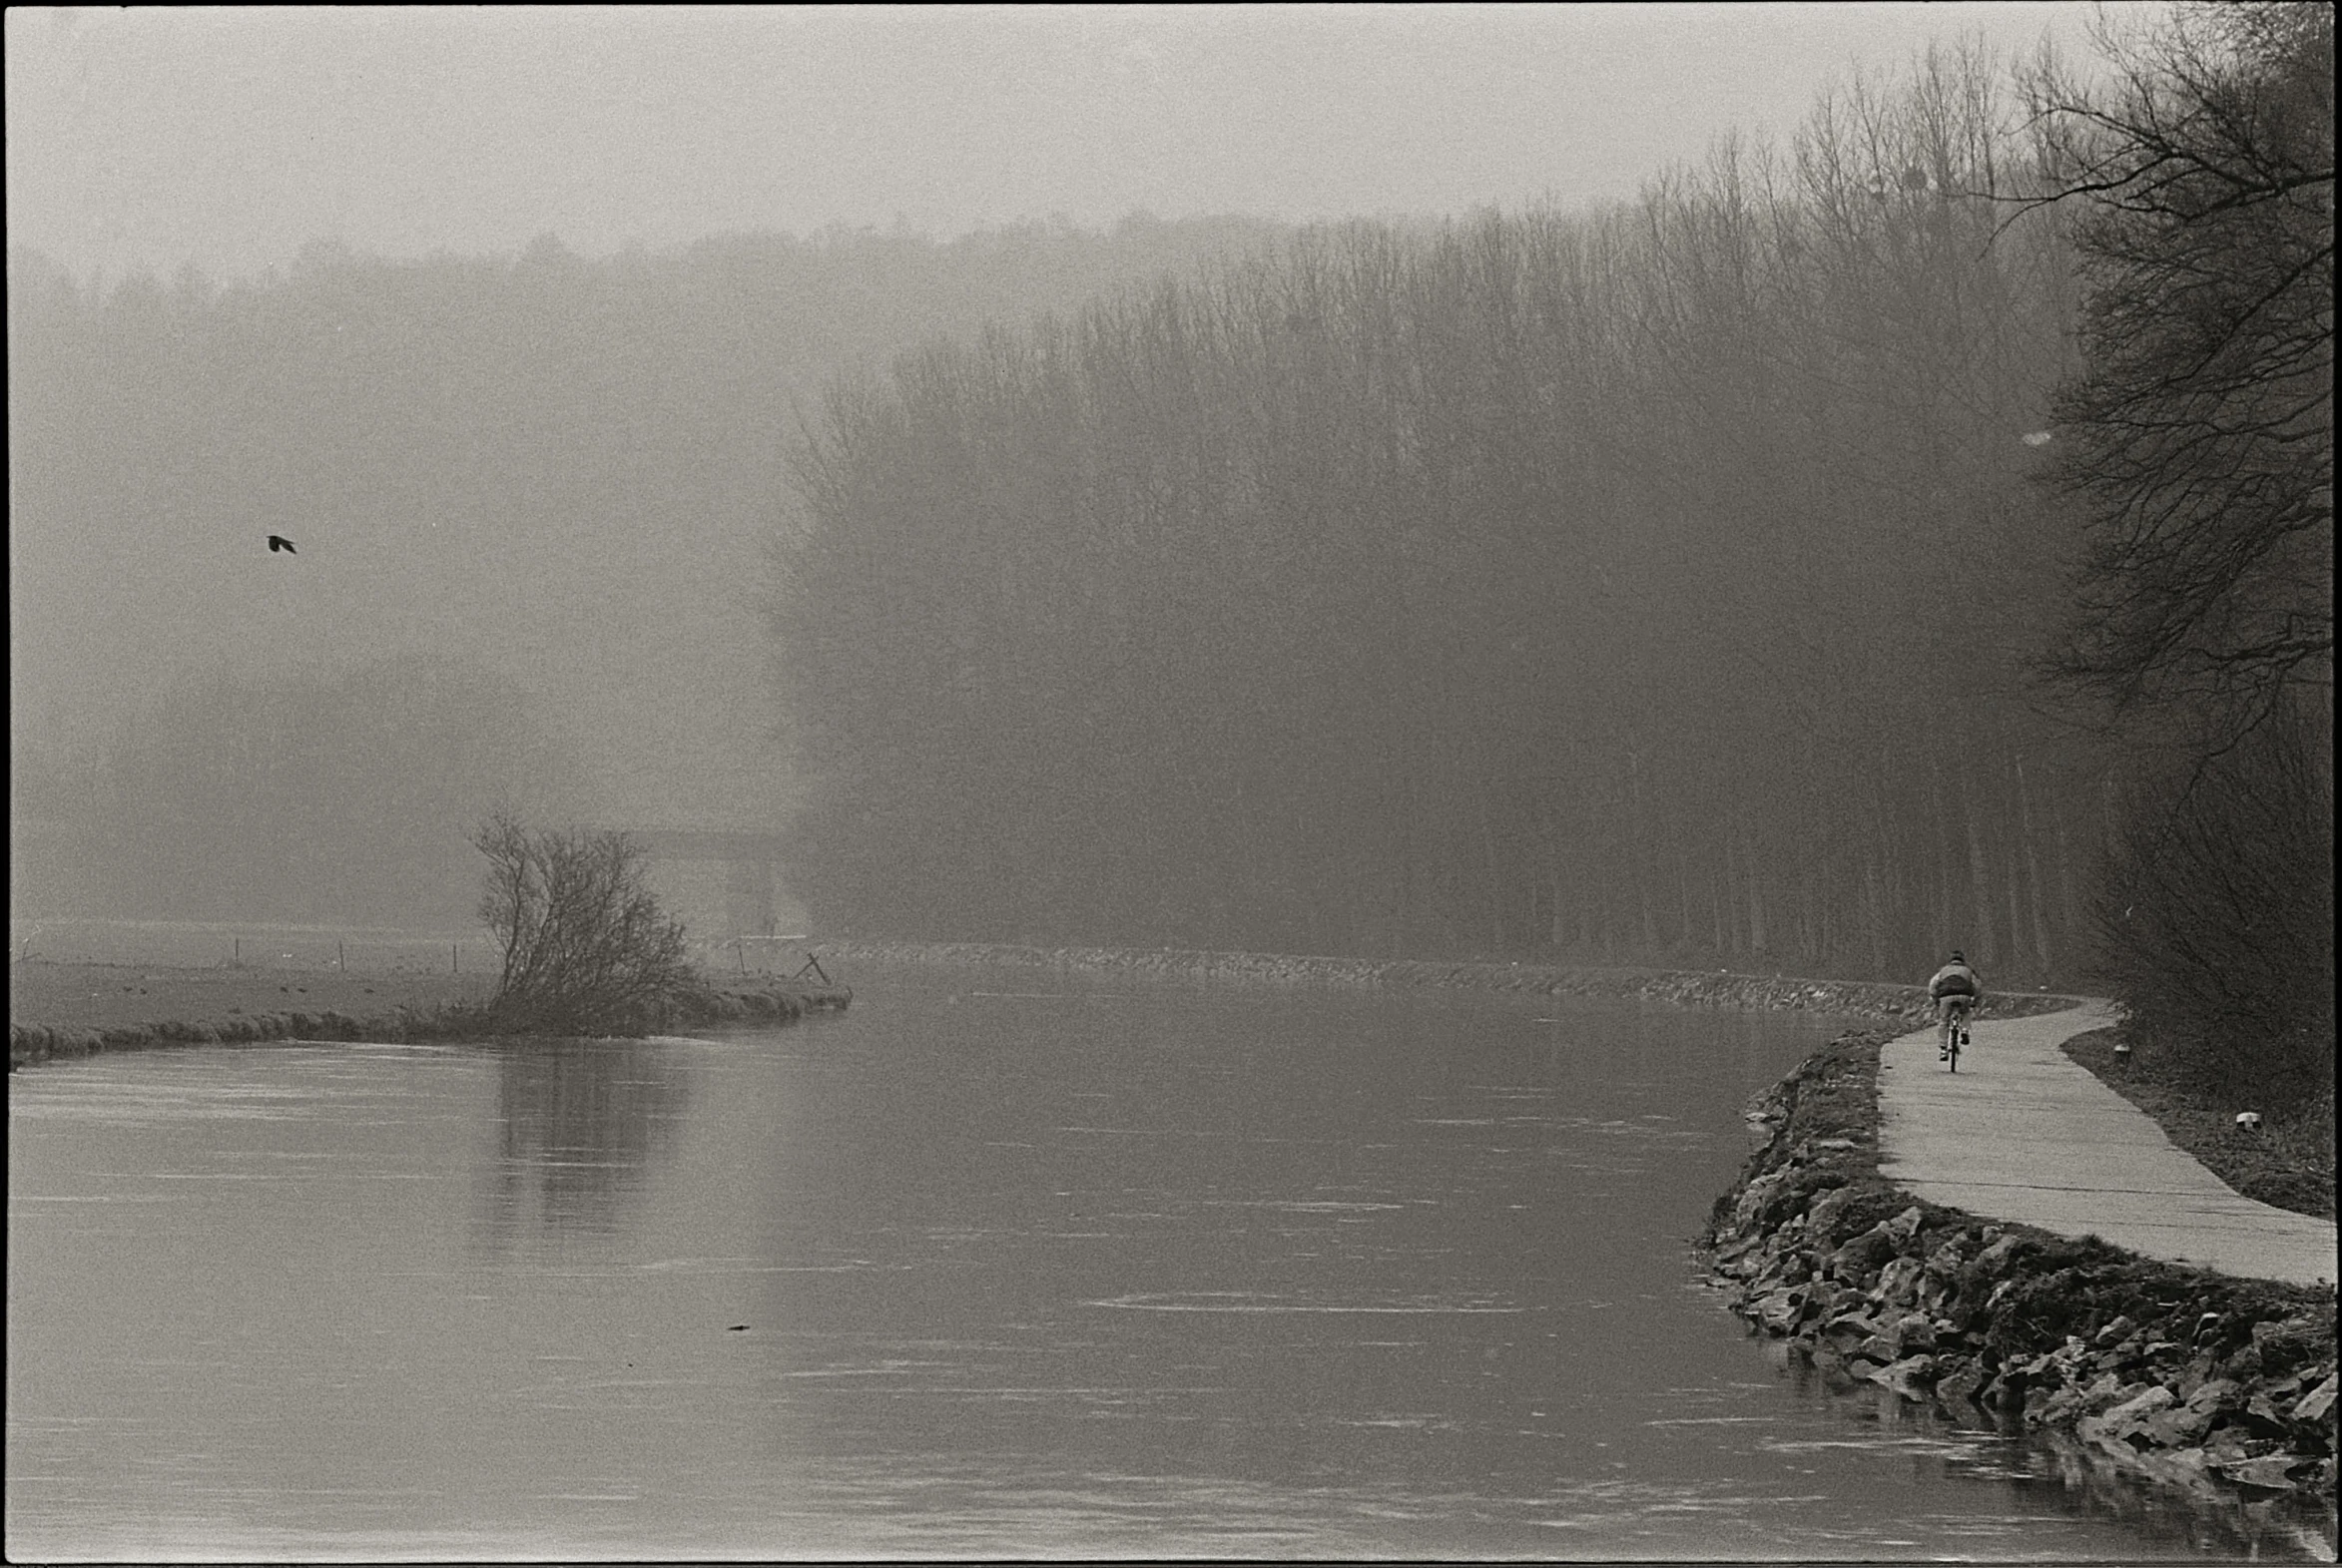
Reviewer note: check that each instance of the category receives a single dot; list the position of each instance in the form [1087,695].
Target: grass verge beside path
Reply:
[2288,1162]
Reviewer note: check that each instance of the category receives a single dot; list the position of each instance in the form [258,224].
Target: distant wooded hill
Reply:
[552,478]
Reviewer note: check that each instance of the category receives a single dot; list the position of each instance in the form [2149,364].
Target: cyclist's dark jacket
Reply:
[1955,980]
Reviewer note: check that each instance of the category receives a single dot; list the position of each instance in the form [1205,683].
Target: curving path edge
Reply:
[2023,1133]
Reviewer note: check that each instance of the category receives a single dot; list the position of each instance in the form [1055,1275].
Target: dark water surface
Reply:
[999,1265]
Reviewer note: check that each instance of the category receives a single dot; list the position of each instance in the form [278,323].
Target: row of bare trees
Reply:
[1649,583]
[2199,467]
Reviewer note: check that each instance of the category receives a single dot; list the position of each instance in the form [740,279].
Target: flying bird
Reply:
[278,542]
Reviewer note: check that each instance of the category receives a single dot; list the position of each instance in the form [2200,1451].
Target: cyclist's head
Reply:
[1958,956]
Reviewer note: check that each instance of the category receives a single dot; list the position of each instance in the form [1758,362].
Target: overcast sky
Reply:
[231,136]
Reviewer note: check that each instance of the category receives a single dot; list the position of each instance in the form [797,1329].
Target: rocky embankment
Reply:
[32,1043]
[1682,987]
[2219,1384]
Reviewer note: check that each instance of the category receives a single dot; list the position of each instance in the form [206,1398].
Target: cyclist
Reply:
[1954,990]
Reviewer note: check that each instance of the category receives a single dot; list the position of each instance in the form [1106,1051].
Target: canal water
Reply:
[997,1264]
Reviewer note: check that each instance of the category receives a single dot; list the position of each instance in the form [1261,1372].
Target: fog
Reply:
[231,138]
[527,331]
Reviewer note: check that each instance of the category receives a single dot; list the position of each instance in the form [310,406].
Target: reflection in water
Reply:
[2254,1528]
[1990,1446]
[580,1124]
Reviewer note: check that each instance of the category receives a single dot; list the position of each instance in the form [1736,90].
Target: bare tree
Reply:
[587,949]
[2216,914]
[2200,437]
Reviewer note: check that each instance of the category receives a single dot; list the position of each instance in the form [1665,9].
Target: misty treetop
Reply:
[1653,582]
[2201,450]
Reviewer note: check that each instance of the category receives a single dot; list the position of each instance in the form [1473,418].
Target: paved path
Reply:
[2021,1133]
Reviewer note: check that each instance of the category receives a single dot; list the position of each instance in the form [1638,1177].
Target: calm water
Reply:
[996,1265]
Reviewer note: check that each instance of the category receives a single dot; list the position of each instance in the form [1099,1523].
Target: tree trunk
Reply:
[1979,869]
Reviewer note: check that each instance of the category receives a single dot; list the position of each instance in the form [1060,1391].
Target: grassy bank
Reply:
[2225,1386]
[57,1009]
[113,996]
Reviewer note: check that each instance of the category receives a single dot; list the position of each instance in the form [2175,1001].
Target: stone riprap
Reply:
[2188,1376]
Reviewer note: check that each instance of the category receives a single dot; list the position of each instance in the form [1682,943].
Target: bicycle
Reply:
[1955,1033]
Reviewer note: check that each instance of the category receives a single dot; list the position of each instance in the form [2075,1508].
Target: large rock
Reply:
[1945,1261]
[2127,1422]
[1822,1217]
[1825,1301]
[1899,1283]
[1753,1199]
[1962,1383]
[2005,1390]
[1779,1310]
[1851,1328]
[1912,1377]
[1913,1332]
[2108,1391]
[2181,1427]
[2317,1405]
[1858,1254]
[2273,1472]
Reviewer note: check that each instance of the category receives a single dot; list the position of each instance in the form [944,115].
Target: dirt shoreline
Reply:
[70,1010]
[2221,1386]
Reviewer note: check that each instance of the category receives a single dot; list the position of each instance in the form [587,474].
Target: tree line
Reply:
[1652,583]
[2199,482]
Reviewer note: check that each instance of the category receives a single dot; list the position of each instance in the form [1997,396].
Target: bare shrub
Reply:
[2217,916]
[587,949]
